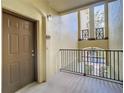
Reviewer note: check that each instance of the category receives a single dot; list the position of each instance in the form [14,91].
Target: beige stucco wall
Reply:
[116,31]
[69,24]
[116,24]
[65,37]
[52,46]
[93,43]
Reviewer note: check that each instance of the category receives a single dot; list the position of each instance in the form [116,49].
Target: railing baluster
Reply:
[79,57]
[82,55]
[118,67]
[90,65]
[110,64]
[61,59]
[87,63]
[71,58]
[64,59]
[84,63]
[114,63]
[73,62]
[70,61]
[106,72]
[67,61]
[68,54]
[68,58]
[103,63]
[94,65]
[77,61]
[96,61]
[99,54]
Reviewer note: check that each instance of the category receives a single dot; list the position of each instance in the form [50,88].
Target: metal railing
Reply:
[84,34]
[99,63]
[99,34]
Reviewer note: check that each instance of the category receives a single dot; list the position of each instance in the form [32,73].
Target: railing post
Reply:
[114,63]
[82,55]
[118,67]
[110,64]
[84,63]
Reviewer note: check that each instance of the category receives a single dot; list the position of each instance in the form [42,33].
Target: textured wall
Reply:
[52,46]
[64,37]
[116,31]
[93,43]
[69,24]
[116,25]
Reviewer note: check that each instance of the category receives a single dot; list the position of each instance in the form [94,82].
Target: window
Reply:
[99,21]
[92,23]
[84,27]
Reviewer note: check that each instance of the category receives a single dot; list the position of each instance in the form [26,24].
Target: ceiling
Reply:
[66,5]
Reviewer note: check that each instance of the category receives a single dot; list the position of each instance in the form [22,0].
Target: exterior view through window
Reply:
[84,31]
[99,21]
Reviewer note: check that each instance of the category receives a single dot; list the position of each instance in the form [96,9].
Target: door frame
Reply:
[36,22]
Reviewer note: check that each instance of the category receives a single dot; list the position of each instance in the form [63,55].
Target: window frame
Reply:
[92,34]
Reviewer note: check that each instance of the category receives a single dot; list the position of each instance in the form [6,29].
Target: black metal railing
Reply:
[98,63]
[99,34]
[84,34]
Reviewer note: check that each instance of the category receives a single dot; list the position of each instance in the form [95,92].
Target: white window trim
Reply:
[91,23]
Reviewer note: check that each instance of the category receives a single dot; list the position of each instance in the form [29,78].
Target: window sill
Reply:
[106,38]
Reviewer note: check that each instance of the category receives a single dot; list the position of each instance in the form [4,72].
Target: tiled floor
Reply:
[70,83]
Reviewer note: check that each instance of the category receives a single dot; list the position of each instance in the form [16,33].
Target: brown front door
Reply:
[18,50]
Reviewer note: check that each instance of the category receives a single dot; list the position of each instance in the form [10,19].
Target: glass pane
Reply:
[84,25]
[99,20]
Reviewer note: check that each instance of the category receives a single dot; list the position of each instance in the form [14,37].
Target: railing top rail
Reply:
[89,50]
